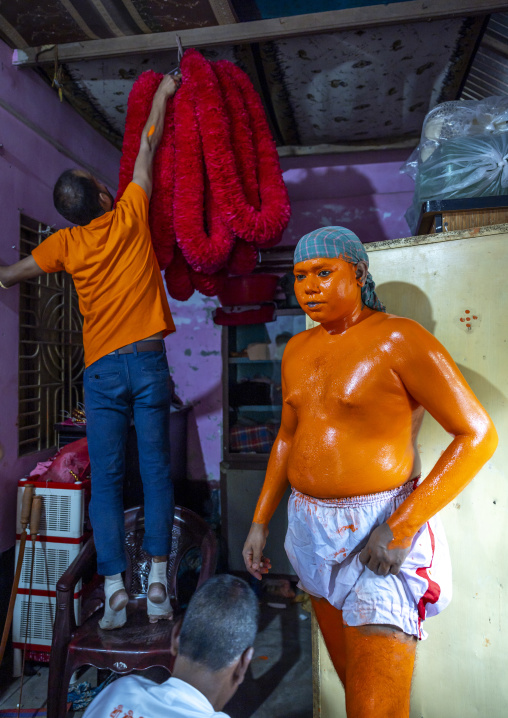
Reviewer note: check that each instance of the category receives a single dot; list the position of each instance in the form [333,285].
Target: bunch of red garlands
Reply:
[218,193]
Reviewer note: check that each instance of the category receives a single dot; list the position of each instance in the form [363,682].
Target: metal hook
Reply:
[180,49]
[176,70]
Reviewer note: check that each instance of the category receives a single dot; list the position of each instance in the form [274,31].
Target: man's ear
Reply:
[362,269]
[105,201]
[175,637]
[242,665]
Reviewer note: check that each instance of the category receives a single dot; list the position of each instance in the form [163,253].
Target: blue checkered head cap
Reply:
[343,243]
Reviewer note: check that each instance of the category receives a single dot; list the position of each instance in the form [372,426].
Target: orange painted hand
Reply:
[378,557]
[255,563]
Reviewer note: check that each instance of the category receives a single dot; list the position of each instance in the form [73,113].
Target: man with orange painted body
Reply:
[363,535]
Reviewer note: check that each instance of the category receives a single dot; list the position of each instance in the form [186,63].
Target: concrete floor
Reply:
[277,685]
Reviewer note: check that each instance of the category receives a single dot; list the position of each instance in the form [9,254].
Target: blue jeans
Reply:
[118,387]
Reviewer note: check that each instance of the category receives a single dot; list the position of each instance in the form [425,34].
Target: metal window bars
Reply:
[50,349]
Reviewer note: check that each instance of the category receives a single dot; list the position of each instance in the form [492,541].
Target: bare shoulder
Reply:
[401,328]
[409,343]
[299,341]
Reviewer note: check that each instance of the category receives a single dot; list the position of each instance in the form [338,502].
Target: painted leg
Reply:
[379,670]
[332,628]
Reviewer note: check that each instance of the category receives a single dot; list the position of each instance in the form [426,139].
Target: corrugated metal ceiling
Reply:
[488,74]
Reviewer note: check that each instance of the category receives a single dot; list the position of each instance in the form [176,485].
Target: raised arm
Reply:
[152,132]
[26,268]
[273,489]
[432,378]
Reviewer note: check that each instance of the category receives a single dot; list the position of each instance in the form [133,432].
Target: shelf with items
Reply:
[252,386]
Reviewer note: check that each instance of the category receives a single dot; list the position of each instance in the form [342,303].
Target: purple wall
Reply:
[364,192]
[29,166]
[194,355]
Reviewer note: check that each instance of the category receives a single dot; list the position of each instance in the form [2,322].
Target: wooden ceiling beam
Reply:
[259,30]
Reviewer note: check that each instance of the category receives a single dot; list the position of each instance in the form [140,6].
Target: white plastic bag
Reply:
[463,152]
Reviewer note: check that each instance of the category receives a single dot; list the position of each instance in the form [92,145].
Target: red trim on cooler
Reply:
[74,486]
[32,647]
[38,592]
[59,539]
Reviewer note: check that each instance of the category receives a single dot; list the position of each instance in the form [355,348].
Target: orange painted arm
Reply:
[276,480]
[432,378]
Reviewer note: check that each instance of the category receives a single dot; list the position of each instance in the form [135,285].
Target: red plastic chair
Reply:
[139,644]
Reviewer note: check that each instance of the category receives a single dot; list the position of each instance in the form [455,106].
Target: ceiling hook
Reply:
[180,49]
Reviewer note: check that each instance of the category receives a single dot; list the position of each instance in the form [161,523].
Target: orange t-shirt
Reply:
[116,275]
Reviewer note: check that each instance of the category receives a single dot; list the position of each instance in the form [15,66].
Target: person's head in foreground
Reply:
[214,643]
[332,279]
[80,198]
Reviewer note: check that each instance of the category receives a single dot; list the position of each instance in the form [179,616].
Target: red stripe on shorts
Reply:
[433,591]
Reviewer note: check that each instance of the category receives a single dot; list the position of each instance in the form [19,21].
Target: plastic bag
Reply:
[451,120]
[462,153]
[70,464]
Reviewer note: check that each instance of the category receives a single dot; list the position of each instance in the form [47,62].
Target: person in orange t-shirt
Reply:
[126,317]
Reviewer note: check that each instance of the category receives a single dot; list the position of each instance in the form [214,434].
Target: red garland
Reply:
[241,132]
[271,184]
[223,178]
[204,251]
[208,284]
[177,276]
[243,258]
[245,221]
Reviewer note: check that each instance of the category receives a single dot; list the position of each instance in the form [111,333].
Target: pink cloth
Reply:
[67,466]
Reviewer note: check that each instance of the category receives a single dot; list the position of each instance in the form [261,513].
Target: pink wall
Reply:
[29,166]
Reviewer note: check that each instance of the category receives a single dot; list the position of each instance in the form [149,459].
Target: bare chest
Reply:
[348,377]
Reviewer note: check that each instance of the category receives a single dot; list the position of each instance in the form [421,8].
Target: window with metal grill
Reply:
[50,349]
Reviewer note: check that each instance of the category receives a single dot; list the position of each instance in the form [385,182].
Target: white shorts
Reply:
[323,542]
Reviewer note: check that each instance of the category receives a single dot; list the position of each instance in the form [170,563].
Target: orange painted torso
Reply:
[354,415]
[354,389]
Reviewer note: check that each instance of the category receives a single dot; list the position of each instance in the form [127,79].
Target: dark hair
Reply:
[76,197]
[220,622]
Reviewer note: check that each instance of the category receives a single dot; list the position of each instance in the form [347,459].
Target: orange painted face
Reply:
[327,289]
